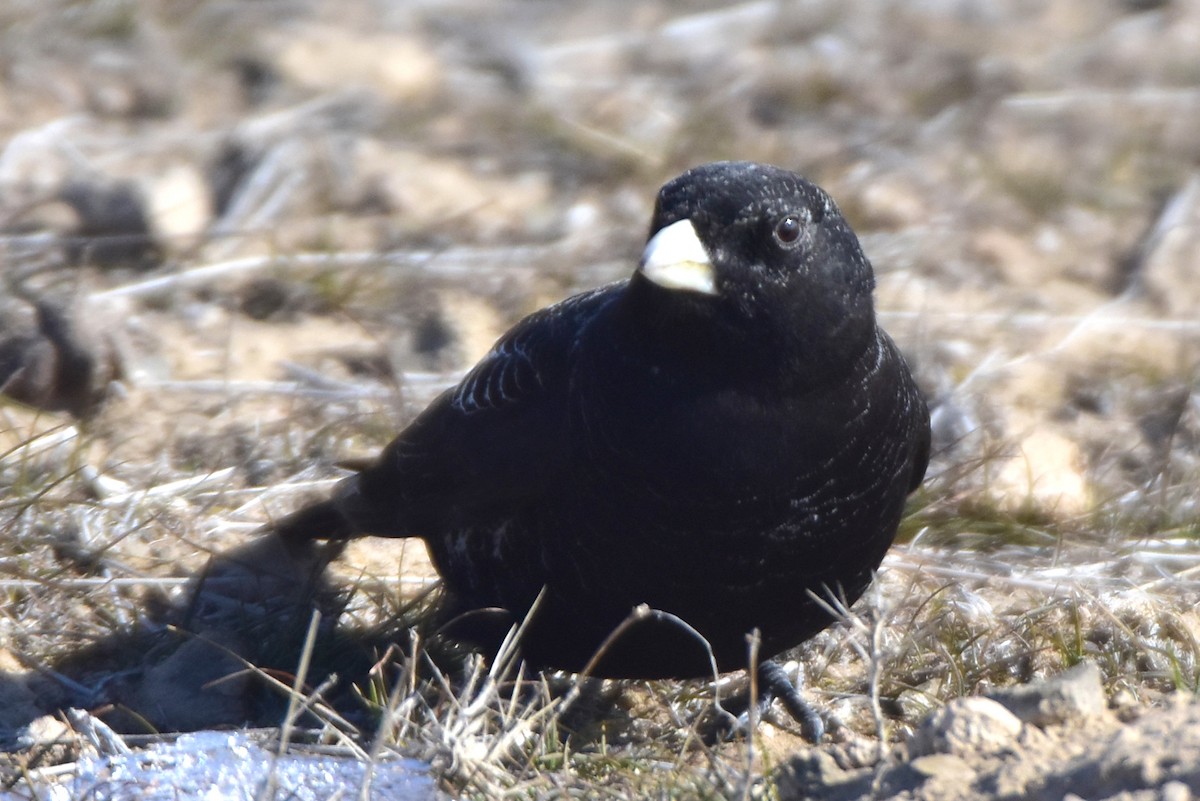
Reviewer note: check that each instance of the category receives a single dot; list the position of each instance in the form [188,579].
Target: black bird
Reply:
[720,436]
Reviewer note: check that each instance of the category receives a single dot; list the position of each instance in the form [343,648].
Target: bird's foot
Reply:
[774,682]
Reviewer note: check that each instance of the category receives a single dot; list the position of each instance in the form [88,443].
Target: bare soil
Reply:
[277,229]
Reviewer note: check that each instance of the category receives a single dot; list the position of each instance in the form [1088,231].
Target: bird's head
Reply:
[759,251]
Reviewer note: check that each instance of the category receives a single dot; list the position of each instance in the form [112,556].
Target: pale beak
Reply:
[674,258]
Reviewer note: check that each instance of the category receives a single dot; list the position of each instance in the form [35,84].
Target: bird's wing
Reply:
[518,369]
[499,437]
[531,359]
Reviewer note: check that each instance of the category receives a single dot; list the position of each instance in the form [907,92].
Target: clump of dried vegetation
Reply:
[286,229]
[128,593]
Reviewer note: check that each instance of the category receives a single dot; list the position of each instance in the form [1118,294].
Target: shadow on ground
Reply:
[227,655]
[221,656]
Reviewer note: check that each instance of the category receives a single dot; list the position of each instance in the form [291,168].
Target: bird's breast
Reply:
[712,445]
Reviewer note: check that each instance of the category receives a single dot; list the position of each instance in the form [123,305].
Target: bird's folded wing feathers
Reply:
[508,374]
[497,437]
[530,358]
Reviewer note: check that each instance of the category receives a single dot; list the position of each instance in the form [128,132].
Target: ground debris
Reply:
[289,225]
[966,726]
[231,766]
[1155,756]
[1074,695]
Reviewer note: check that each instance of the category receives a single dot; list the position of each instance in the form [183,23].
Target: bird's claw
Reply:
[774,682]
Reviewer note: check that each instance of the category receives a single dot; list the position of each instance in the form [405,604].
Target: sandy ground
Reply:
[278,228]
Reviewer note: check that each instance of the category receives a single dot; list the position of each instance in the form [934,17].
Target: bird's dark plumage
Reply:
[718,436]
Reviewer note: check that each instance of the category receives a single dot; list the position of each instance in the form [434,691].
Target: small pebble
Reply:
[1076,694]
[966,726]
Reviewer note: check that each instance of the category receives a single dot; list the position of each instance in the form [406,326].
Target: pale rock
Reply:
[888,201]
[33,165]
[965,727]
[178,206]
[401,68]
[429,192]
[45,731]
[1074,695]
[1047,472]
[1176,791]
[1011,255]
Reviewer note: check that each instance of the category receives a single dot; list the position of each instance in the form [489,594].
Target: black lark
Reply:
[719,437]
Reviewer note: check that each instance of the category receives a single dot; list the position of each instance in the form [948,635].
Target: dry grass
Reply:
[1026,193]
[979,595]
[126,540]
[109,526]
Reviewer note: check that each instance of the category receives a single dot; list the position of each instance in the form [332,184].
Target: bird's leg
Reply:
[774,682]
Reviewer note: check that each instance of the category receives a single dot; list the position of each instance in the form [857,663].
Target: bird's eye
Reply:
[787,230]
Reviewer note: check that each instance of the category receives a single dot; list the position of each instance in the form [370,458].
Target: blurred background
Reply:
[243,240]
[1025,177]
